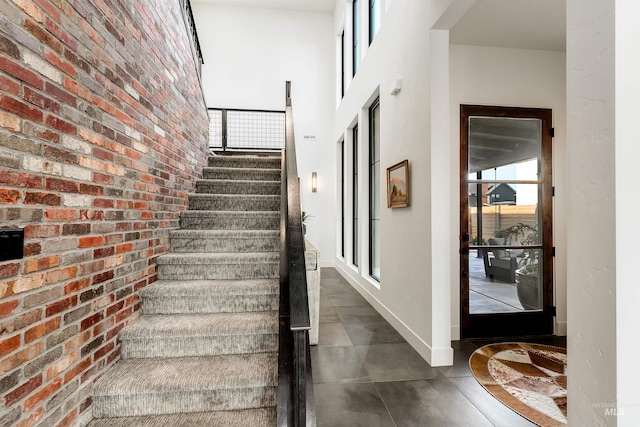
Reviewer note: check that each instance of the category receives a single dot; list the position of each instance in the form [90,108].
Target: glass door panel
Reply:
[505,220]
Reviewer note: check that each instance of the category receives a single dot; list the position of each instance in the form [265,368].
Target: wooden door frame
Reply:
[526,322]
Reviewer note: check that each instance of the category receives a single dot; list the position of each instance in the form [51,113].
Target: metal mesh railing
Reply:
[246,129]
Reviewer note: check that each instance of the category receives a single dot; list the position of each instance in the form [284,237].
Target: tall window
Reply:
[342,220]
[374,18]
[356,36]
[374,190]
[354,231]
[342,61]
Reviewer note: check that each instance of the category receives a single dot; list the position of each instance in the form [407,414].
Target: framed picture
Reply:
[398,193]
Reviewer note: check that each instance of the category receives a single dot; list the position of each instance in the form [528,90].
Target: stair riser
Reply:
[258,244]
[243,162]
[229,187]
[217,272]
[196,304]
[198,346]
[156,403]
[229,222]
[242,174]
[230,203]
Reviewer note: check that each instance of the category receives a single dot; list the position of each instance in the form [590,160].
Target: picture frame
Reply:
[398,188]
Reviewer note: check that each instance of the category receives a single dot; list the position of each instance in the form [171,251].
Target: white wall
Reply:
[515,78]
[249,53]
[602,147]
[627,207]
[405,294]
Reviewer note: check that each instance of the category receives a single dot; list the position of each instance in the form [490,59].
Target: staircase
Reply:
[204,351]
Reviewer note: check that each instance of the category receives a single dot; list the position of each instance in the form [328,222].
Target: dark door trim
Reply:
[525,322]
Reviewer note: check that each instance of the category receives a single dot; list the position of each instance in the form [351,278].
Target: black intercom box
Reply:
[11,243]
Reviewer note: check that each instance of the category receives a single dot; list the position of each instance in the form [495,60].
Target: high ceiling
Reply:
[299,5]
[524,24]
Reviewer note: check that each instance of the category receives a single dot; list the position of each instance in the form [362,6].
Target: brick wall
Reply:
[102,134]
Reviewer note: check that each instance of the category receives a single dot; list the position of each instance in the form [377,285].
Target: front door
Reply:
[506,242]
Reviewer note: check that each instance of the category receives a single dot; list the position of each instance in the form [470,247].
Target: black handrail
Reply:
[295,388]
[273,139]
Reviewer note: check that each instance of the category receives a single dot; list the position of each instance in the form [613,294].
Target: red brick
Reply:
[41,231]
[103,203]
[126,247]
[40,132]
[61,274]
[49,199]
[61,125]
[76,285]
[40,100]
[62,305]
[39,264]
[63,185]
[60,64]
[20,357]
[42,394]
[90,321]
[61,34]
[102,277]
[9,85]
[86,242]
[94,190]
[101,178]
[8,270]
[71,374]
[9,344]
[20,72]
[115,308]
[91,215]
[8,307]
[103,351]
[32,419]
[17,179]
[32,249]
[9,196]
[62,95]
[20,108]
[23,390]
[68,420]
[49,8]
[42,35]
[9,47]
[42,329]
[60,155]
[62,215]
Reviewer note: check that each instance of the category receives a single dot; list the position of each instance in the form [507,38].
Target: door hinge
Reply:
[553,191]
[553,132]
[553,251]
[554,311]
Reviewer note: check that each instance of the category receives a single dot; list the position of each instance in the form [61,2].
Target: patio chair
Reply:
[501,264]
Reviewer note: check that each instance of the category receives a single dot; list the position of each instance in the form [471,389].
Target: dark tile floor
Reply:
[365,373]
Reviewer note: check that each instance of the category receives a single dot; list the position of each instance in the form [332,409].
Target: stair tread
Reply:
[231,234]
[179,288]
[259,417]
[234,196]
[237,181]
[188,374]
[210,212]
[196,325]
[218,258]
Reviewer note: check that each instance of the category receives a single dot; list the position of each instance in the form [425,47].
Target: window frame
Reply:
[374,186]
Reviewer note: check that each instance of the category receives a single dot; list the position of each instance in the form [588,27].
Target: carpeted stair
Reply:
[204,351]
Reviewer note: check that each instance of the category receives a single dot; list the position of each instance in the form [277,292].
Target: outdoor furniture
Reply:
[500,264]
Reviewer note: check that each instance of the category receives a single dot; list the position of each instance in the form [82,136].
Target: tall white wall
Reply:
[627,207]
[407,292]
[513,78]
[591,192]
[602,147]
[249,53]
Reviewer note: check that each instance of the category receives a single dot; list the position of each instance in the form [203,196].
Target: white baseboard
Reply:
[560,328]
[435,357]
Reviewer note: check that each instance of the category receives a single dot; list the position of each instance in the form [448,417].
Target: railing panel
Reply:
[235,129]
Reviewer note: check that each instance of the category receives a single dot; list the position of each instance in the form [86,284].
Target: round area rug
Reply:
[528,378]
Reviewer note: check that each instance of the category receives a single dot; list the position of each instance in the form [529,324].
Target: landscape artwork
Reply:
[398,185]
